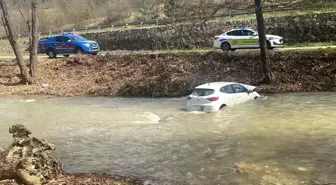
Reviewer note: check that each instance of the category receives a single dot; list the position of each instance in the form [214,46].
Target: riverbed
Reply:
[289,138]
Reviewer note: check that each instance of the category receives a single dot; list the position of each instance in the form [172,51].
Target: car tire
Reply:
[226,46]
[51,53]
[222,106]
[66,56]
[80,51]
[268,45]
[233,49]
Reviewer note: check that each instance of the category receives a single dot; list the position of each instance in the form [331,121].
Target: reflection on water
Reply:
[288,139]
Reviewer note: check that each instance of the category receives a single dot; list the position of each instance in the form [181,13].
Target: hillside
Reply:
[68,14]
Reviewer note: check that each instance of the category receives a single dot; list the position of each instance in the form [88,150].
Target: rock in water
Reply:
[28,159]
[302,169]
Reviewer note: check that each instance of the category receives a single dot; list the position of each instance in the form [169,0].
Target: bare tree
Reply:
[23,5]
[34,39]
[25,77]
[228,6]
[246,5]
[268,75]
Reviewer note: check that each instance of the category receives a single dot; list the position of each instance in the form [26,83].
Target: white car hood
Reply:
[274,36]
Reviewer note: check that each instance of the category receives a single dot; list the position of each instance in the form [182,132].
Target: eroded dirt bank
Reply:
[162,75]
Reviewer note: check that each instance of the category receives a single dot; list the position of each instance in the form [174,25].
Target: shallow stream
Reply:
[287,139]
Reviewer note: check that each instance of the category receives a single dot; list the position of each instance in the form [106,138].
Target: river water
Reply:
[286,139]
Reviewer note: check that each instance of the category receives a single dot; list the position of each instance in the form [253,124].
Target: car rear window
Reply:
[203,92]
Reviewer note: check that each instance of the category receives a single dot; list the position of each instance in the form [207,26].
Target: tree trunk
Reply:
[262,42]
[25,77]
[34,39]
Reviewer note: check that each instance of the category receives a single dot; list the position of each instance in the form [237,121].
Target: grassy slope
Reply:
[6,49]
[234,18]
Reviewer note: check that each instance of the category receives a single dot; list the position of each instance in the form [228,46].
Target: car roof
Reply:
[214,85]
[65,34]
[242,29]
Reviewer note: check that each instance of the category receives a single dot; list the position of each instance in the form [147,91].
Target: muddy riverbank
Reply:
[172,75]
[80,179]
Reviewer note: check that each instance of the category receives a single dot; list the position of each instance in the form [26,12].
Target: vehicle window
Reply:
[239,88]
[247,33]
[227,89]
[235,33]
[203,92]
[78,38]
[65,39]
[59,39]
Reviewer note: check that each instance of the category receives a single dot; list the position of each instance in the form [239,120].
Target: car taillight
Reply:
[213,98]
[189,98]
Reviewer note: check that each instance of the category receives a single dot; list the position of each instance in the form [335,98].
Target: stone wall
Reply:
[294,29]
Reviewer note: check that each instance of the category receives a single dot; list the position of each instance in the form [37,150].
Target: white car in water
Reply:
[245,38]
[213,96]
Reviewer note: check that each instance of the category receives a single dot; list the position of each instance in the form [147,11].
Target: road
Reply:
[307,48]
[176,51]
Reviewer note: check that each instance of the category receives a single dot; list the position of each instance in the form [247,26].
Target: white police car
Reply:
[245,38]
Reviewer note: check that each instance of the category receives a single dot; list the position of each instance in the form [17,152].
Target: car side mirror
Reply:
[255,34]
[250,91]
[69,41]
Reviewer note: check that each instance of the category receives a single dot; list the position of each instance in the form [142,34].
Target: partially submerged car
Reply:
[211,97]
[245,38]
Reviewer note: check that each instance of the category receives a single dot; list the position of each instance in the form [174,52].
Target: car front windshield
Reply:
[203,92]
[78,38]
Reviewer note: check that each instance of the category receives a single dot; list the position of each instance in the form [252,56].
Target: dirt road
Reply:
[123,52]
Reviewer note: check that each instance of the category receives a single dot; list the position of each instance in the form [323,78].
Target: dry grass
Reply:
[224,19]
[6,49]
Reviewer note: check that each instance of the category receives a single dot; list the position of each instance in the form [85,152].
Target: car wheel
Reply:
[51,53]
[226,46]
[80,51]
[233,49]
[222,106]
[66,56]
[268,45]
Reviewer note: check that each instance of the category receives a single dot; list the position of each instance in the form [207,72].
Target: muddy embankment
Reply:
[172,75]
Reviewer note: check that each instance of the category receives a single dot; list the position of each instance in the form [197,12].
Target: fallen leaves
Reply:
[170,74]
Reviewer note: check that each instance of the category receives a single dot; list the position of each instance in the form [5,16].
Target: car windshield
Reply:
[78,38]
[203,92]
